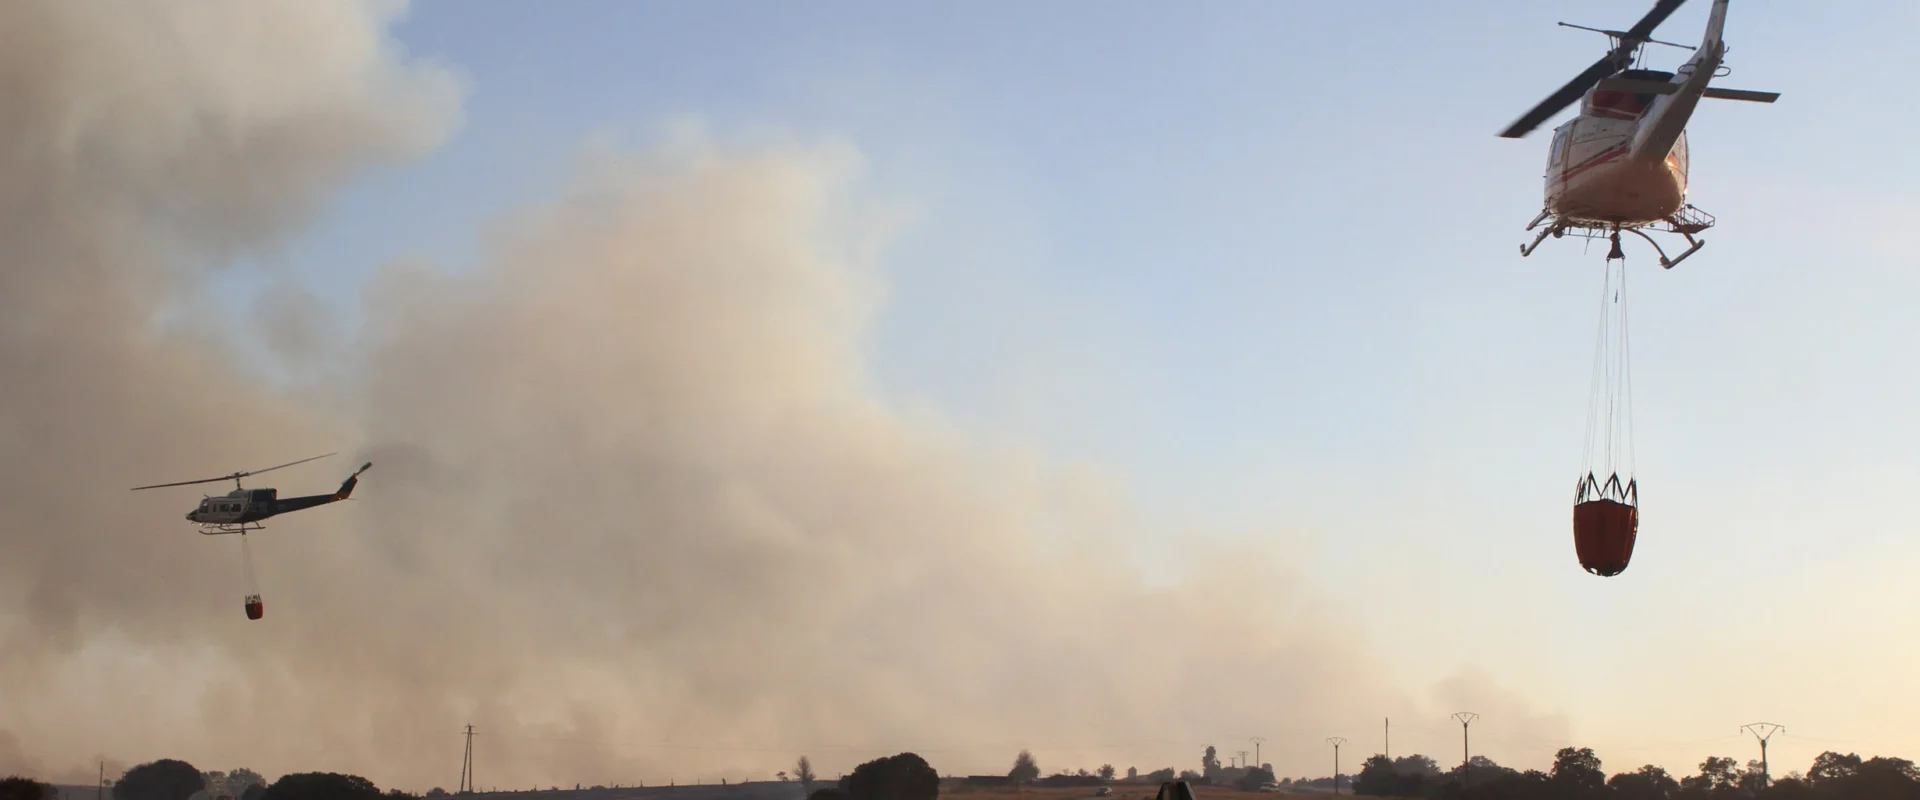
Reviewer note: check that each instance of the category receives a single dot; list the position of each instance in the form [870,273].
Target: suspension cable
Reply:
[246,562]
[1609,436]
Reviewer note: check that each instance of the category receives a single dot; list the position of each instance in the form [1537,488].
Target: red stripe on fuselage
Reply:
[1594,162]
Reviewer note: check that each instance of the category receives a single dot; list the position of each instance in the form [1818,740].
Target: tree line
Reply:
[1576,774]
[173,779]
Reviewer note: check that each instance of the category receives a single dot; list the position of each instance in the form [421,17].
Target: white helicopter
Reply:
[242,509]
[1621,165]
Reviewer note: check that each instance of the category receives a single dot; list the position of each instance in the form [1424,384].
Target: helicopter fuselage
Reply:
[1591,174]
[237,507]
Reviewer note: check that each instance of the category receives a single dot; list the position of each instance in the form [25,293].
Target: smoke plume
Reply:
[636,512]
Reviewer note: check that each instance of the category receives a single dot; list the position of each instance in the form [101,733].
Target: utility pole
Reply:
[1387,749]
[1256,750]
[100,789]
[466,766]
[1337,741]
[1466,750]
[1243,758]
[1771,729]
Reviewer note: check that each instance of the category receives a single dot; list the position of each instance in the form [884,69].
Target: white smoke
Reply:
[635,511]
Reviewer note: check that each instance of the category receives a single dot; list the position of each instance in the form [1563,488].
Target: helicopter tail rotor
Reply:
[346,487]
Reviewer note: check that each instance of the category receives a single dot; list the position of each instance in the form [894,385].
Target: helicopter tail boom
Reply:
[1671,110]
[287,504]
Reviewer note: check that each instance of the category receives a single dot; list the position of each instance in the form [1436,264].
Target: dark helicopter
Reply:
[242,510]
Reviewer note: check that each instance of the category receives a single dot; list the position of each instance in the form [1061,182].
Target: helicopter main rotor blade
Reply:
[233,477]
[1567,95]
[1612,62]
[185,483]
[288,464]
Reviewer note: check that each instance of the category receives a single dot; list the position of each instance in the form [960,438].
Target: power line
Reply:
[1466,749]
[1337,741]
[466,766]
[1771,729]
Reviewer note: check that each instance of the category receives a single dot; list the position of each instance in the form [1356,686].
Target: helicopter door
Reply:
[1557,160]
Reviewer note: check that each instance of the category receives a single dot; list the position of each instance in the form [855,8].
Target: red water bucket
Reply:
[1603,535]
[255,608]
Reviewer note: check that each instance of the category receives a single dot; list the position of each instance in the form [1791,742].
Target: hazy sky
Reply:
[749,380]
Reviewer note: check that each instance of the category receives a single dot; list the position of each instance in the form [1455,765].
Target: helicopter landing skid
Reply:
[1686,222]
[220,528]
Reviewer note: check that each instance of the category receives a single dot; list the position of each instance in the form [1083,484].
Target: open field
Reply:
[1121,791]
[770,790]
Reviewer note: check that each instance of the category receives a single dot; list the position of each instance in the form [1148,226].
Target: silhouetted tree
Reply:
[904,776]
[1376,777]
[1024,768]
[233,783]
[1719,779]
[166,779]
[254,792]
[803,772]
[1485,770]
[15,787]
[1252,779]
[1106,772]
[1724,772]
[1831,770]
[1209,764]
[1577,775]
[1834,776]
[1792,787]
[1881,777]
[1647,783]
[321,786]
[1417,764]
[1380,777]
[239,779]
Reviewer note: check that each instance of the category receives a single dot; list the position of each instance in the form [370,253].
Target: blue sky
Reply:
[1260,258]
